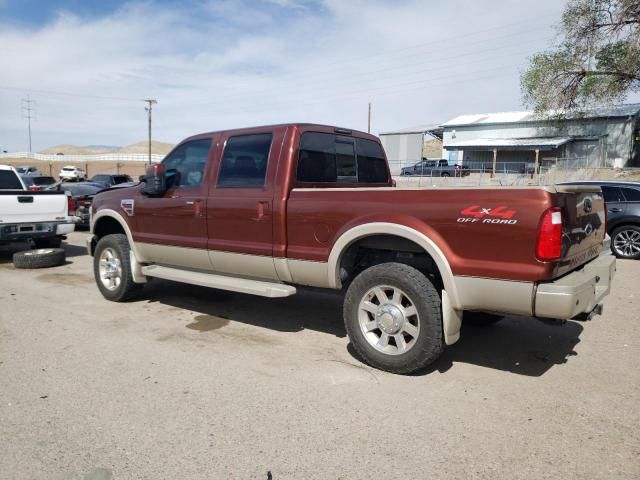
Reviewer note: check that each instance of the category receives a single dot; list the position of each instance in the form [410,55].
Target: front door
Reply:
[172,229]
[240,205]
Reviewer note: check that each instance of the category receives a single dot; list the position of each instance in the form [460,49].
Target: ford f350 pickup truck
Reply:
[265,210]
[40,216]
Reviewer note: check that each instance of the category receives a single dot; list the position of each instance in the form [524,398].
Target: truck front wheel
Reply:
[393,318]
[112,268]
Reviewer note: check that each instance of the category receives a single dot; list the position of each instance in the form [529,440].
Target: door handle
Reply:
[190,202]
[615,210]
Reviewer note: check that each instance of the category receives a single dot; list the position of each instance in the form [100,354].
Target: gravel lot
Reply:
[190,383]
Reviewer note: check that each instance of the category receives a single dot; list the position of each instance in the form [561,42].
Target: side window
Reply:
[372,167]
[185,165]
[631,194]
[328,158]
[612,194]
[244,163]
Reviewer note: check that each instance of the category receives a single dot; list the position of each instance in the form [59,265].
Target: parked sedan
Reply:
[82,194]
[623,215]
[71,173]
[37,182]
[110,179]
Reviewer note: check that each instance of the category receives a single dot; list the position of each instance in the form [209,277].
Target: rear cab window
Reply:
[9,180]
[325,158]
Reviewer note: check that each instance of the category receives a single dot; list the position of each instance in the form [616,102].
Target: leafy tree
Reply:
[596,62]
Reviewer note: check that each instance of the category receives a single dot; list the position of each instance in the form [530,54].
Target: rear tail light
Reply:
[549,245]
[35,188]
[71,205]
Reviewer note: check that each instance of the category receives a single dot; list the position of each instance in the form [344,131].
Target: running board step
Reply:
[222,282]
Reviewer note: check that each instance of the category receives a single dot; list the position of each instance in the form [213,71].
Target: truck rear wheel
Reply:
[393,318]
[112,268]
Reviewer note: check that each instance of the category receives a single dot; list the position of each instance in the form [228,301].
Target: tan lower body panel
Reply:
[488,294]
[243,265]
[312,274]
[193,258]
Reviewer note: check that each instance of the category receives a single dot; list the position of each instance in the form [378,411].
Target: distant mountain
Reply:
[160,148]
[143,147]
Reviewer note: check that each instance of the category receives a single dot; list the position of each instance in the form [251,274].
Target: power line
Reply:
[67,94]
[28,112]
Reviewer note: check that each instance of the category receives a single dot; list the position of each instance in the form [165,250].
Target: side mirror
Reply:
[155,181]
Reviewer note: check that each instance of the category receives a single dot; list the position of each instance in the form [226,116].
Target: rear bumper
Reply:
[24,231]
[578,292]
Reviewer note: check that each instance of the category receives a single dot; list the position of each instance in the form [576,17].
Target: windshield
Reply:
[42,180]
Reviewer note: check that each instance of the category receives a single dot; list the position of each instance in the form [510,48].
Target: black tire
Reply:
[42,258]
[125,288]
[419,291]
[622,236]
[480,319]
[445,174]
[51,242]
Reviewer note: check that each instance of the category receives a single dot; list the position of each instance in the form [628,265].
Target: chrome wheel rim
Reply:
[627,243]
[39,251]
[389,320]
[110,269]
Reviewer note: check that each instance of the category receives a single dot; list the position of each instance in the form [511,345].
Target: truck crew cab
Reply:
[264,210]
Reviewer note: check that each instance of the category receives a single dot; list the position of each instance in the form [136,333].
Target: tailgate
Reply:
[584,229]
[32,207]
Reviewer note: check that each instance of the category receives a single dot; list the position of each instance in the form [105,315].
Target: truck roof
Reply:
[248,130]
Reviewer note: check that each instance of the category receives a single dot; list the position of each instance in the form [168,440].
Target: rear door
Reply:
[240,204]
[615,202]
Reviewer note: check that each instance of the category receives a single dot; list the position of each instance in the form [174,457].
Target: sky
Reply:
[219,64]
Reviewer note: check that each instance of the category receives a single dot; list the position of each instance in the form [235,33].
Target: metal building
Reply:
[404,147]
[519,141]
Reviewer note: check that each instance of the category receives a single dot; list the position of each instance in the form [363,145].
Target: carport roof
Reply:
[510,143]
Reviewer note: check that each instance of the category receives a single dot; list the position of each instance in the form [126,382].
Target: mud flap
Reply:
[136,269]
[451,320]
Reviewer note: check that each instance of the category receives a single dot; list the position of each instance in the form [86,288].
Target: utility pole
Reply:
[27,112]
[151,102]
[369,120]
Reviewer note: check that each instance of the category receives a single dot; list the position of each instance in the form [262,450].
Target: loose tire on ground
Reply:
[480,319]
[40,258]
[112,268]
[399,301]
[51,242]
[625,242]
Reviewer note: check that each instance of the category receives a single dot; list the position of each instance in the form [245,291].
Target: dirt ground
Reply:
[190,383]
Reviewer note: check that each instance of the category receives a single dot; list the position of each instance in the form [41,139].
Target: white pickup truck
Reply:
[42,216]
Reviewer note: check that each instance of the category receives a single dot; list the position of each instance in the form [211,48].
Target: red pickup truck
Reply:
[264,210]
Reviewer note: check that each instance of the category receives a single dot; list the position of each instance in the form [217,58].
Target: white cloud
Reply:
[239,63]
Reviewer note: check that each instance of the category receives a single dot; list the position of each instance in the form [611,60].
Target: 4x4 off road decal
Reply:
[477,214]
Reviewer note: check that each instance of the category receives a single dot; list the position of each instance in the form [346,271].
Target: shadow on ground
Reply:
[519,345]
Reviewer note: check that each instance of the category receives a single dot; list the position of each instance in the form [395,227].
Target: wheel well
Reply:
[107,226]
[623,223]
[375,249]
